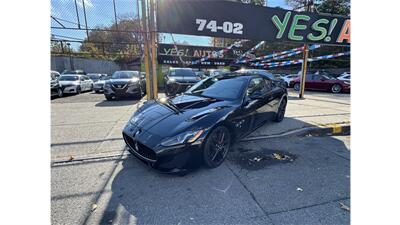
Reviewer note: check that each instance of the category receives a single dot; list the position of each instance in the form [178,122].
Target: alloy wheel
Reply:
[217,147]
[296,87]
[336,88]
[60,93]
[281,111]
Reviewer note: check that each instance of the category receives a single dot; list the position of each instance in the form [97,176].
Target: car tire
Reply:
[60,93]
[336,88]
[280,114]
[78,90]
[296,86]
[216,147]
[109,97]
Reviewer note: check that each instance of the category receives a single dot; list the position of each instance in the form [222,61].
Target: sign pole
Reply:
[149,93]
[153,47]
[303,71]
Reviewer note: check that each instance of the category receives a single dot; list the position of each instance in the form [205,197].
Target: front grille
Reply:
[119,86]
[140,148]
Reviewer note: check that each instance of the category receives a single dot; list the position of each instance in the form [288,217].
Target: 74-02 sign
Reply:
[227,27]
[244,21]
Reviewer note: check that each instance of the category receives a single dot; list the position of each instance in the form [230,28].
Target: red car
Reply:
[321,82]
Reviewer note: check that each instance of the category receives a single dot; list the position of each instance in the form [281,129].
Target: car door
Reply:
[258,95]
[82,83]
[320,82]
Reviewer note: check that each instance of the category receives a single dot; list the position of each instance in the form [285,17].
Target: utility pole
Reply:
[153,47]
[305,59]
[145,29]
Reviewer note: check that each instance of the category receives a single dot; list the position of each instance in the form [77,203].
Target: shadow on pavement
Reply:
[118,102]
[282,178]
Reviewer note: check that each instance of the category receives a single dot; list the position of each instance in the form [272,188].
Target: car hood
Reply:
[119,81]
[66,82]
[157,118]
[182,79]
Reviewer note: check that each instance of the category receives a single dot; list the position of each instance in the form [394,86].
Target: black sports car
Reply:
[171,133]
[177,80]
[125,84]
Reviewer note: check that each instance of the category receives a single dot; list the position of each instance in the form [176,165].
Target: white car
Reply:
[289,78]
[73,83]
[345,77]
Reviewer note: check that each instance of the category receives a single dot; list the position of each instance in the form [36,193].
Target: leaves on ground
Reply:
[343,206]
[71,158]
[299,189]
[94,207]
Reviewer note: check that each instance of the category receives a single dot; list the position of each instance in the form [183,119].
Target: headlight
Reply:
[135,79]
[107,85]
[186,137]
[171,80]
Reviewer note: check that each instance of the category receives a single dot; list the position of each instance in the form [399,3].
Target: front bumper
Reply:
[70,89]
[145,146]
[97,87]
[123,91]
[177,88]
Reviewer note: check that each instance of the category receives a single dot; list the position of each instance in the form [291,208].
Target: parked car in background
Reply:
[94,76]
[201,74]
[125,83]
[202,124]
[277,79]
[177,80]
[98,86]
[75,84]
[55,89]
[344,76]
[289,78]
[321,82]
[78,72]
[55,74]
[214,72]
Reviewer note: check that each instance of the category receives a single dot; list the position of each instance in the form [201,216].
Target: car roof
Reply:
[70,75]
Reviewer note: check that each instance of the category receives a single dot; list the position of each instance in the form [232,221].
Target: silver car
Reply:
[75,84]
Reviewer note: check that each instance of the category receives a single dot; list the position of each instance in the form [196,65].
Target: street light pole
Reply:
[305,59]
[149,91]
[71,64]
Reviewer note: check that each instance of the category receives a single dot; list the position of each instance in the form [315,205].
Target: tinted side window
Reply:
[256,85]
[308,77]
[316,77]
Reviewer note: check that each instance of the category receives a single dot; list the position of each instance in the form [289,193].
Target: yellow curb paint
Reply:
[336,128]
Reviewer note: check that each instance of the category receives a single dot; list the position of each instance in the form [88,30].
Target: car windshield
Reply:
[225,88]
[125,74]
[69,78]
[260,72]
[94,76]
[105,78]
[182,73]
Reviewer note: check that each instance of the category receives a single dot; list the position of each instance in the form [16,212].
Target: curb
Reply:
[318,130]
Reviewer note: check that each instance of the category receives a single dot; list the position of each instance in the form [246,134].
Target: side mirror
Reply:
[256,95]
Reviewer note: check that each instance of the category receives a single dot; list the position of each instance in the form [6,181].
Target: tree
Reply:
[255,2]
[341,7]
[112,44]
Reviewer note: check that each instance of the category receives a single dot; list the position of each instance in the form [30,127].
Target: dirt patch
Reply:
[261,159]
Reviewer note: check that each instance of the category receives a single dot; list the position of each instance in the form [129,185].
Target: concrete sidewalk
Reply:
[317,110]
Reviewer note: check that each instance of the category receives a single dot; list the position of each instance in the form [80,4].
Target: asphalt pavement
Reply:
[283,180]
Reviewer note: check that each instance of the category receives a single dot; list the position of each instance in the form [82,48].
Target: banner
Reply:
[298,61]
[193,55]
[244,21]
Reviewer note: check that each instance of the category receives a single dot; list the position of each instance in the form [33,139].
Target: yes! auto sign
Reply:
[243,21]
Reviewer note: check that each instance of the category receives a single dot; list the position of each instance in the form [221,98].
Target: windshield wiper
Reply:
[171,106]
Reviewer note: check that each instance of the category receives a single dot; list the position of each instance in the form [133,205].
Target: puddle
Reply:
[261,159]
